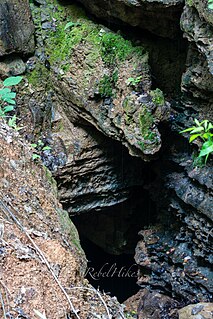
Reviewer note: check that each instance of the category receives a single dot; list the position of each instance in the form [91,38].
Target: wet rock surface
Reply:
[16,28]
[158,17]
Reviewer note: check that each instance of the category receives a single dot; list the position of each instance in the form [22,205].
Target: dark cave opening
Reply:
[113,274]
[109,238]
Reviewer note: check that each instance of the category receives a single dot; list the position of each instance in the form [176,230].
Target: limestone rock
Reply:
[197,311]
[102,79]
[16,28]
[197,30]
[93,177]
[158,17]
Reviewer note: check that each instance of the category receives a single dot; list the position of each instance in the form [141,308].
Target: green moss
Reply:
[107,84]
[72,28]
[157,97]
[39,76]
[146,121]
[115,48]
[60,43]
[189,2]
[69,229]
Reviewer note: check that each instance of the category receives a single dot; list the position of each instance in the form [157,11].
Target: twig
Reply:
[40,253]
[6,294]
[99,295]
[2,304]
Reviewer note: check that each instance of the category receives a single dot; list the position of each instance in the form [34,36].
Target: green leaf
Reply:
[12,80]
[12,121]
[10,95]
[197,122]
[4,91]
[197,129]
[188,129]
[35,156]
[193,137]
[207,135]
[210,6]
[46,148]
[33,145]
[71,25]
[210,127]
[2,113]
[8,100]
[206,149]
[8,108]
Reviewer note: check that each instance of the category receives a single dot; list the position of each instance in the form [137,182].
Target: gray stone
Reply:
[16,28]
[12,65]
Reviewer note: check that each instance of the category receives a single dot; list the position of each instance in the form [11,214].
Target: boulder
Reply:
[16,28]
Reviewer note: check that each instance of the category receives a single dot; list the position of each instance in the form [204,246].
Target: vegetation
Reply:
[39,147]
[146,121]
[204,132]
[107,84]
[157,97]
[112,47]
[134,81]
[115,48]
[210,4]
[7,97]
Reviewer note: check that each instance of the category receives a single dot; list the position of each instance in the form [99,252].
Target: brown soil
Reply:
[26,283]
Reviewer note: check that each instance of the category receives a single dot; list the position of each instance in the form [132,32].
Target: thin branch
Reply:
[2,304]
[40,253]
[99,295]
[6,294]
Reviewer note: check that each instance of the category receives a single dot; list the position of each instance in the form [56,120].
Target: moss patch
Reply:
[69,229]
[114,48]
[157,97]
[107,84]
[146,121]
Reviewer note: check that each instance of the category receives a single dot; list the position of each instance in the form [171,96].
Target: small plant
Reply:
[7,97]
[210,4]
[203,131]
[157,97]
[39,147]
[71,25]
[107,84]
[12,123]
[134,81]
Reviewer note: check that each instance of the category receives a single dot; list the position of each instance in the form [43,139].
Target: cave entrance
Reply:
[113,274]
[109,238]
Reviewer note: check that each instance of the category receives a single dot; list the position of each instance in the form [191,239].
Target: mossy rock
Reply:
[90,66]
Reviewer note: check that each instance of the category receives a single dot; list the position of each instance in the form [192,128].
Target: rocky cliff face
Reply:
[89,90]
[158,17]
